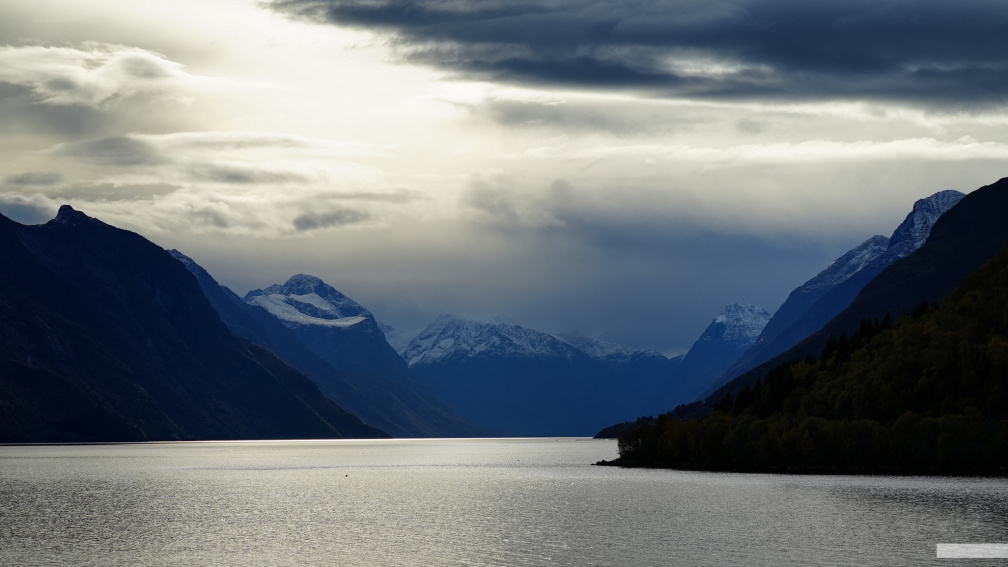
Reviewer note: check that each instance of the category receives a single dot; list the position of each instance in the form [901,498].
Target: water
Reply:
[462,502]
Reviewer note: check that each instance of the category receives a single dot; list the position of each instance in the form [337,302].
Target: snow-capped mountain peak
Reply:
[914,230]
[741,322]
[307,300]
[451,337]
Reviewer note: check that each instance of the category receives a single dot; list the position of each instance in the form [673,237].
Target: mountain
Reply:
[106,337]
[923,396]
[401,407]
[818,300]
[729,335]
[961,240]
[336,328]
[521,381]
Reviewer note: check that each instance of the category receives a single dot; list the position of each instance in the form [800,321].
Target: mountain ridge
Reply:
[403,408]
[961,241]
[813,304]
[108,338]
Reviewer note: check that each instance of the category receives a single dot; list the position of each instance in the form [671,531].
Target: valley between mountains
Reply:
[108,337]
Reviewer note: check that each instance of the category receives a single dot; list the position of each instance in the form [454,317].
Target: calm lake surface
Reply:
[462,502]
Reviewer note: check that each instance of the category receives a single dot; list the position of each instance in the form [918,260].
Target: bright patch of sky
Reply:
[626,189]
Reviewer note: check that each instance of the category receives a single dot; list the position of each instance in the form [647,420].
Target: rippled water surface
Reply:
[462,502]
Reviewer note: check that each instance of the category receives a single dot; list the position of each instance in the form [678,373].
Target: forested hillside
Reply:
[928,394]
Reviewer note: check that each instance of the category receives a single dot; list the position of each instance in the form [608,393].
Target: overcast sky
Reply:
[622,168]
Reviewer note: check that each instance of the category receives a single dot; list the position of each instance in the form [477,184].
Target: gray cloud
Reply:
[244,175]
[34,178]
[929,51]
[394,197]
[114,151]
[92,75]
[88,192]
[23,114]
[340,217]
[636,118]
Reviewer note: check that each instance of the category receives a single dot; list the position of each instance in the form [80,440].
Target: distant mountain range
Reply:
[510,378]
[105,337]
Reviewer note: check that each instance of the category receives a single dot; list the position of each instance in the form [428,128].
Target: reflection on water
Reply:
[462,502]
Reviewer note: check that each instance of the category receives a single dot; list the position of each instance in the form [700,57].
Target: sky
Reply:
[619,168]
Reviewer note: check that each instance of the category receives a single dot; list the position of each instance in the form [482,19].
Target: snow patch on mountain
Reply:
[450,337]
[307,300]
[604,350]
[849,264]
[907,238]
[914,230]
[739,323]
[284,309]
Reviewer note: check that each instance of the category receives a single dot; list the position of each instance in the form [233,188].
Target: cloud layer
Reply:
[931,52]
[93,75]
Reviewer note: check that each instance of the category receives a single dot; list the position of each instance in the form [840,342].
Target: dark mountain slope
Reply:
[962,240]
[811,306]
[107,338]
[399,407]
[728,336]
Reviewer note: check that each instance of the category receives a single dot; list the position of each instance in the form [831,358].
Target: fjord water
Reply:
[461,502]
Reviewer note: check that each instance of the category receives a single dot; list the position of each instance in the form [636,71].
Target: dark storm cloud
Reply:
[339,217]
[931,51]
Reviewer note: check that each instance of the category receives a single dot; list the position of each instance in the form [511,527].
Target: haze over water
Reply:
[461,502]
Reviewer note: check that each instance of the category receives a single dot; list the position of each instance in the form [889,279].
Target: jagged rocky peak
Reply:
[914,230]
[451,337]
[69,216]
[307,300]
[741,322]
[300,284]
